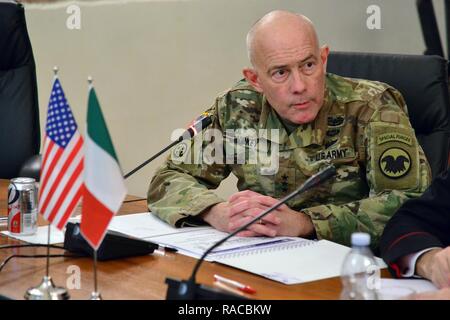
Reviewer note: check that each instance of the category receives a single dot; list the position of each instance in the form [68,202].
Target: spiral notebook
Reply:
[289,260]
[292,263]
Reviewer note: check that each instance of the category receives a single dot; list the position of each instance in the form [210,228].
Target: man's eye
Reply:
[309,66]
[279,74]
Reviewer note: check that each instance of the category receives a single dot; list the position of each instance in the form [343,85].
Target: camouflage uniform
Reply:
[362,128]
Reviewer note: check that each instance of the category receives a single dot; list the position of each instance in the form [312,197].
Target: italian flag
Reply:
[104,184]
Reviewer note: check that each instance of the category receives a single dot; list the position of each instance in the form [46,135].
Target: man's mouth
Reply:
[301,105]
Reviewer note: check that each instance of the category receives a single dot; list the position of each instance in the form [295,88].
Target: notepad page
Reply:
[292,265]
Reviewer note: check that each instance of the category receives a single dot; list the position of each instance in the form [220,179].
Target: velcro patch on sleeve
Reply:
[390,116]
[394,157]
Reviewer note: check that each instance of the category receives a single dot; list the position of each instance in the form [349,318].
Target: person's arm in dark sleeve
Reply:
[421,223]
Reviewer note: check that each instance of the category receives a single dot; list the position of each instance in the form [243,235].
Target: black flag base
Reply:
[189,290]
[47,290]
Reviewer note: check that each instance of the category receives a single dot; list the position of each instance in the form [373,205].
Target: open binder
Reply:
[291,263]
[289,260]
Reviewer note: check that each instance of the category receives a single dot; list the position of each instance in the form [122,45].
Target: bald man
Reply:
[314,118]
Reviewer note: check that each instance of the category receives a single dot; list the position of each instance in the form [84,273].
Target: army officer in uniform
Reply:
[360,126]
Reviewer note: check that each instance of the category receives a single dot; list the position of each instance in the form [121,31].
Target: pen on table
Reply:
[225,287]
[235,284]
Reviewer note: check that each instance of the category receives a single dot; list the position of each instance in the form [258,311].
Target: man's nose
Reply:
[298,84]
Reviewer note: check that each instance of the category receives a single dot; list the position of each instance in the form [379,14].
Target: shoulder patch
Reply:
[390,116]
[394,136]
[180,153]
[180,150]
[393,162]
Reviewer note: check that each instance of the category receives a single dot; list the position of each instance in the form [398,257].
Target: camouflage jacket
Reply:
[362,128]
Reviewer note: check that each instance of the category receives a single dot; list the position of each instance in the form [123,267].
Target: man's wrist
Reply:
[307,229]
[424,262]
[208,212]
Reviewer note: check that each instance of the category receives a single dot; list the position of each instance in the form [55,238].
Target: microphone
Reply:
[116,246]
[203,121]
[190,290]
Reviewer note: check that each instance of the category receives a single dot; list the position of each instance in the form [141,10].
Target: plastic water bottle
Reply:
[360,273]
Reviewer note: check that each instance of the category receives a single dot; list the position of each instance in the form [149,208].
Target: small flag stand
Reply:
[47,290]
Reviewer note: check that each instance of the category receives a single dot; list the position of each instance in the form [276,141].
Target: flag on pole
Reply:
[62,161]
[104,184]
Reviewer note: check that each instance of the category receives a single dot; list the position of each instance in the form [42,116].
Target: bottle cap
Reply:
[360,239]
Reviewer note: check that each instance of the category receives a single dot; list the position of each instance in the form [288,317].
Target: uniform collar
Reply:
[304,135]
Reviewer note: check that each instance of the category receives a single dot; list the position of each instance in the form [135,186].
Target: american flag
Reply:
[62,165]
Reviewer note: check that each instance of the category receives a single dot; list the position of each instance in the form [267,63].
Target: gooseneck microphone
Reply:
[199,124]
[115,245]
[181,290]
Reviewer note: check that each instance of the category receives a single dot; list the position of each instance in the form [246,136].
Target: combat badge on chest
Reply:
[332,152]
[335,124]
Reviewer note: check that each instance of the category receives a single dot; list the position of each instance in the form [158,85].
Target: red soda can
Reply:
[22,206]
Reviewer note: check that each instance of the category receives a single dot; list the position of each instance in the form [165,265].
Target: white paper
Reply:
[285,259]
[309,262]
[40,237]
[191,241]
[393,289]
[145,225]
[199,241]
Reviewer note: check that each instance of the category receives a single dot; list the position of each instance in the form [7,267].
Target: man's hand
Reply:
[435,266]
[218,216]
[245,205]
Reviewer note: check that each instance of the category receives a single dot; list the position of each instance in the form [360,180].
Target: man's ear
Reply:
[324,51]
[252,77]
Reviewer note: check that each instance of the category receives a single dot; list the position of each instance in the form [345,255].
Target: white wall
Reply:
[158,64]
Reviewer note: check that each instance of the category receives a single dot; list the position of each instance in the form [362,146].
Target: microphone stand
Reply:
[202,122]
[188,290]
[139,167]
